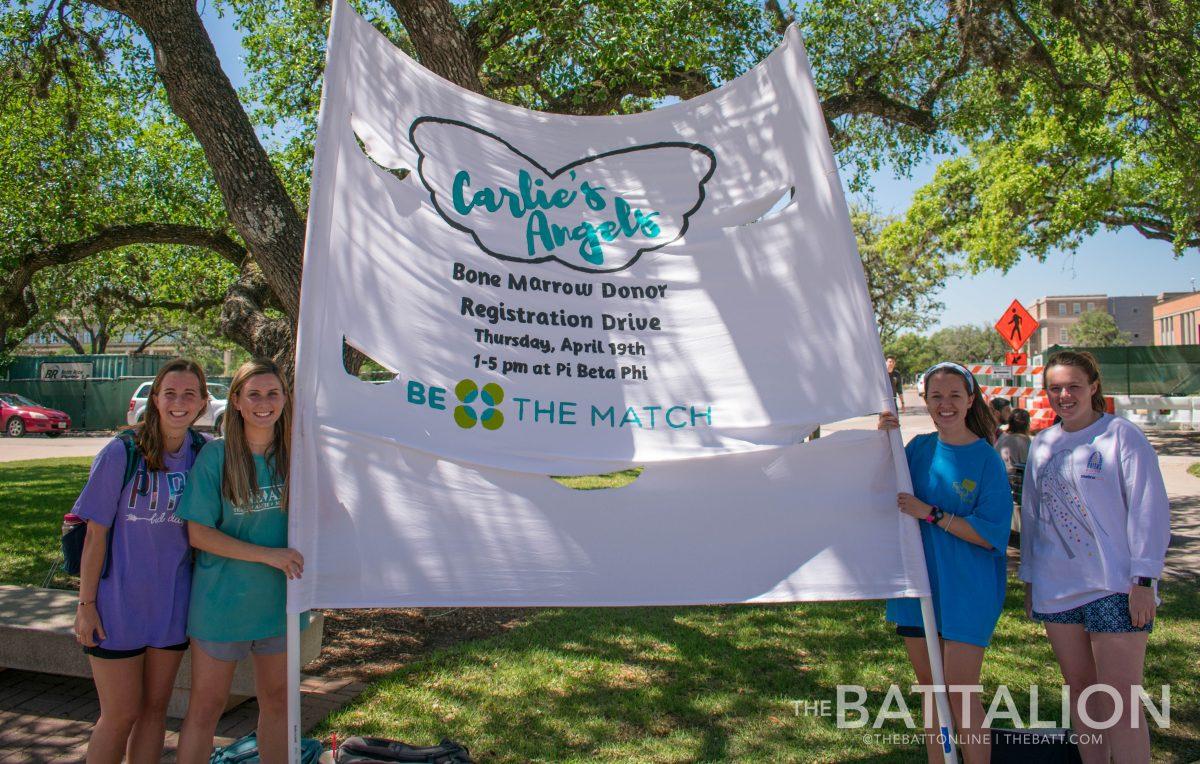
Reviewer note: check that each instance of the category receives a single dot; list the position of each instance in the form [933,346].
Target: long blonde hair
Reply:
[148,437]
[239,480]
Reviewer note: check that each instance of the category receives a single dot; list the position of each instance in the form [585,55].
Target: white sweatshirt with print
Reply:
[1094,514]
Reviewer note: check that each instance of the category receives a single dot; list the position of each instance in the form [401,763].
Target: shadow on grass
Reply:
[717,684]
[35,496]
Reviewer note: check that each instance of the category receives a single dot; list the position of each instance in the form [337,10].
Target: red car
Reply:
[20,415]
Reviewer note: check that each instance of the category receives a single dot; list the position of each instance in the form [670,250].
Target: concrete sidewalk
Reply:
[46,718]
[41,447]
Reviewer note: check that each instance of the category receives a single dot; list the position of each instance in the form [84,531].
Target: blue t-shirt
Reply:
[967,581]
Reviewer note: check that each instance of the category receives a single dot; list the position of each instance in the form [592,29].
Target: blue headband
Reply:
[954,367]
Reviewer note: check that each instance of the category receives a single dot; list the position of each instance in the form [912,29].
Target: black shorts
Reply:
[912,631]
[104,652]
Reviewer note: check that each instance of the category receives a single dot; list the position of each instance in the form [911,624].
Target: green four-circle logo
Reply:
[489,397]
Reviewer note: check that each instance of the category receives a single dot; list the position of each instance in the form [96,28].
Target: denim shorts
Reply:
[236,651]
[1107,615]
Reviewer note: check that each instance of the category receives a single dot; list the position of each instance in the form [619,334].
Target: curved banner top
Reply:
[566,295]
[555,295]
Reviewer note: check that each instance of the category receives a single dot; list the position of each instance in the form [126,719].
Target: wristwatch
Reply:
[935,515]
[1143,581]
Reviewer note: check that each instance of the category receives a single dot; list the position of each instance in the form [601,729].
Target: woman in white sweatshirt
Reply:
[1094,531]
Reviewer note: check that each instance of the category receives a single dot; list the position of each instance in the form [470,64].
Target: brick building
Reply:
[1056,314]
[1175,319]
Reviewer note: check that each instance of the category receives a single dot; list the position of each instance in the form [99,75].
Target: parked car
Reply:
[20,415]
[212,416]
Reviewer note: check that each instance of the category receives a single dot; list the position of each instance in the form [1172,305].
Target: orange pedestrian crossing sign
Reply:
[1016,326]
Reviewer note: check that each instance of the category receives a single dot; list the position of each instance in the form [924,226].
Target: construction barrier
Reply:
[1161,412]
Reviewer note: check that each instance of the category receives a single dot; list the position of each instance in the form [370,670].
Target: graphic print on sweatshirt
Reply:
[153,497]
[1066,511]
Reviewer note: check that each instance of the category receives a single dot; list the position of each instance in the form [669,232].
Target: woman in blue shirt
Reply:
[961,493]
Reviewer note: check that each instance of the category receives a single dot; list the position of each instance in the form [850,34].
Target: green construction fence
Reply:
[99,402]
[105,366]
[92,404]
[1160,370]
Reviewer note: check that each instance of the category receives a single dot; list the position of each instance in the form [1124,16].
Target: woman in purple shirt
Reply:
[133,595]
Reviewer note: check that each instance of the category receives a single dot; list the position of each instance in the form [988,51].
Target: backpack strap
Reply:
[132,456]
[198,441]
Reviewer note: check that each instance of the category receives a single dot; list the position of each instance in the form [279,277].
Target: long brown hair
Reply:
[149,438]
[980,419]
[239,479]
[1087,363]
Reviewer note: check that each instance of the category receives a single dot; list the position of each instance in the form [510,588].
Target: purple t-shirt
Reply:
[144,600]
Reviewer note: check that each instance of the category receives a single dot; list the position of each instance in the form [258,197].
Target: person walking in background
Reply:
[1013,444]
[1095,525]
[897,381]
[236,509]
[1013,447]
[961,493]
[136,569]
[1002,409]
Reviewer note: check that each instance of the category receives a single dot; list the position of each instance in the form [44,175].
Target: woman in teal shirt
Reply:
[961,493]
[235,505]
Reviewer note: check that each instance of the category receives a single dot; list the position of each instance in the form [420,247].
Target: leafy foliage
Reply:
[961,344]
[1097,329]
[79,156]
[1098,127]
[1069,117]
[901,284]
[914,353]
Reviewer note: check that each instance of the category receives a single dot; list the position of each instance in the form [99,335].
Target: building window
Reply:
[1062,336]
[1091,306]
[1135,310]
[1062,309]
[1075,308]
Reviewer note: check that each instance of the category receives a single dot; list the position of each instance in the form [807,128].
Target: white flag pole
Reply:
[933,644]
[941,697]
[322,159]
[293,687]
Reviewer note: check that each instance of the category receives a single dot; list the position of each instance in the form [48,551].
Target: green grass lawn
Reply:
[34,496]
[660,684]
[718,684]
[1194,470]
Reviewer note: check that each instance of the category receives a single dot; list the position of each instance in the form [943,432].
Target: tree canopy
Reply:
[1097,329]
[124,135]
[962,344]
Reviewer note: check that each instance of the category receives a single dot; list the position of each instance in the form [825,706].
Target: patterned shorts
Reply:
[1109,614]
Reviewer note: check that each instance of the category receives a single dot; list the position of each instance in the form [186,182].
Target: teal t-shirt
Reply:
[967,582]
[236,600]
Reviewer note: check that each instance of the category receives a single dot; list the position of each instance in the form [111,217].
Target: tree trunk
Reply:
[200,93]
[442,44]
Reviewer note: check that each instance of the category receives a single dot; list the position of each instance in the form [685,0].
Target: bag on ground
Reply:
[245,751]
[365,750]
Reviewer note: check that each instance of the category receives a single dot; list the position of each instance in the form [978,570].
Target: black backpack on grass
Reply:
[374,750]
[74,533]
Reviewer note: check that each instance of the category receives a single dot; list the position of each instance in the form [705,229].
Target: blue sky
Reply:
[1122,263]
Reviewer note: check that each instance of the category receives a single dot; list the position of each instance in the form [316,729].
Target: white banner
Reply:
[560,295]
